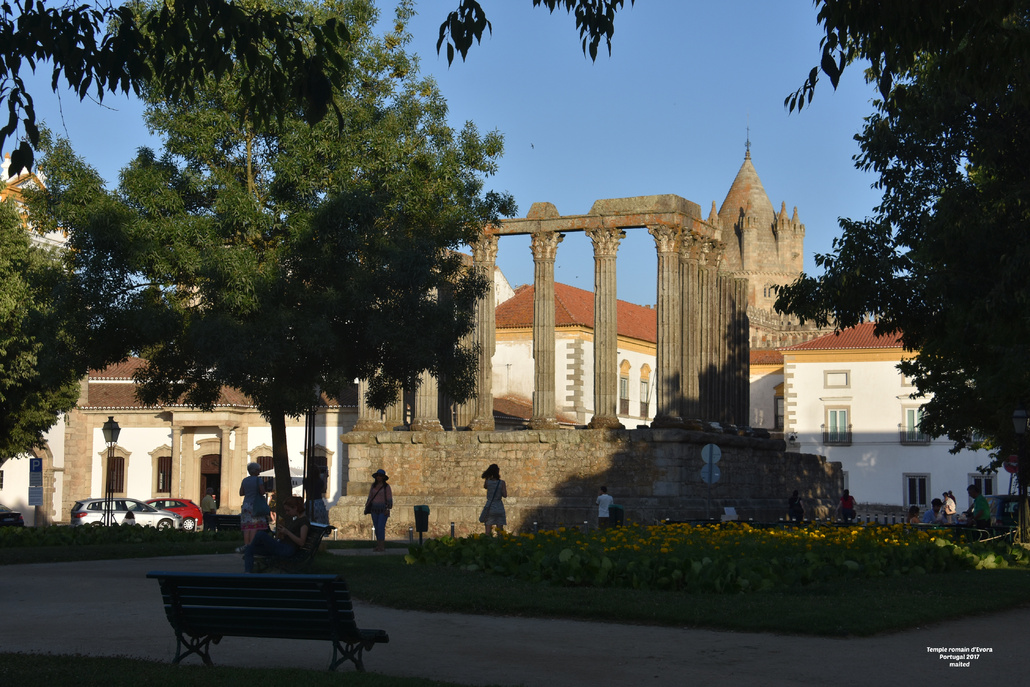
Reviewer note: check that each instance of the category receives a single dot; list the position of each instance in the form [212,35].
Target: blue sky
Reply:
[668,112]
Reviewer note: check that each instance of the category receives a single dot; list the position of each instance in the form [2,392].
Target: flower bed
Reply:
[730,557]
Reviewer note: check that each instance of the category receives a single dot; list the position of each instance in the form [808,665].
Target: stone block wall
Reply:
[553,477]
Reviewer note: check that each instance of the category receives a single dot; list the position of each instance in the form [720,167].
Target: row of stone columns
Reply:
[702,347]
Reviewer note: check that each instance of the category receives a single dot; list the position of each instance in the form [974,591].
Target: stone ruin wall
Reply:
[553,477]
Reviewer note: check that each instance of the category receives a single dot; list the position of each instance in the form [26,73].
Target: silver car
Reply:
[91,512]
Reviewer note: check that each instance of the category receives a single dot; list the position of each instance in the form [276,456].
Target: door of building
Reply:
[210,475]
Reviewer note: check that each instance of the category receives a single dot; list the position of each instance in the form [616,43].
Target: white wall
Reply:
[876,462]
[763,392]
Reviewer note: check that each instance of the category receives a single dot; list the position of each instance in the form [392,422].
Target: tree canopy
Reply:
[595,19]
[96,49]
[280,258]
[36,383]
[943,259]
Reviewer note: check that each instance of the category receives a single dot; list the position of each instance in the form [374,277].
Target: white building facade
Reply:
[845,399]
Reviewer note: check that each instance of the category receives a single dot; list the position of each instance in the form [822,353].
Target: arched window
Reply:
[645,391]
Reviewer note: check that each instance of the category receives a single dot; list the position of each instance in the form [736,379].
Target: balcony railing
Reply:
[837,437]
[645,409]
[623,406]
[914,436]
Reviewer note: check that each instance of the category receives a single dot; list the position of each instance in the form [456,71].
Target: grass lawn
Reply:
[32,670]
[870,606]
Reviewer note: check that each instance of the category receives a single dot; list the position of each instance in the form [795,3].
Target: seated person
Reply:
[913,516]
[289,536]
[935,514]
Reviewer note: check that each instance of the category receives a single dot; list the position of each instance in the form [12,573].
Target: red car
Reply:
[192,516]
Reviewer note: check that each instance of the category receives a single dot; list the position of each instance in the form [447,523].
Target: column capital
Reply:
[544,245]
[484,249]
[709,252]
[606,240]
[665,238]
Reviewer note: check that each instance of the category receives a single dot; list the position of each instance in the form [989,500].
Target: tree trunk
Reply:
[280,460]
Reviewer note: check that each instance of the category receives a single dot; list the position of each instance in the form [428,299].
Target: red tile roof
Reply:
[767,357]
[575,307]
[860,336]
[112,387]
[515,408]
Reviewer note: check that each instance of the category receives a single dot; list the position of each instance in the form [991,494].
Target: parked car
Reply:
[192,516]
[91,512]
[10,518]
[1004,510]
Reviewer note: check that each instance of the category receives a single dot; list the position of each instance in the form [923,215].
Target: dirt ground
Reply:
[109,608]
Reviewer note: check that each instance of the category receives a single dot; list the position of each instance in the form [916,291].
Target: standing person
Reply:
[496,490]
[795,509]
[316,510]
[980,511]
[289,536]
[378,505]
[603,501]
[209,508]
[949,508]
[847,507]
[253,516]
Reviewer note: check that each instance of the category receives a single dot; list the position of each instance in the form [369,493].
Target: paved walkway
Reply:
[110,608]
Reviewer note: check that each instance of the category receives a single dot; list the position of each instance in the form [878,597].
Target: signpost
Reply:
[710,454]
[35,481]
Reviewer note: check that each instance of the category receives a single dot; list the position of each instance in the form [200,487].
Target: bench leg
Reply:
[348,652]
[194,645]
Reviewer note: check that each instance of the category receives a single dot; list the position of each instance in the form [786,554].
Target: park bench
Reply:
[302,558]
[204,607]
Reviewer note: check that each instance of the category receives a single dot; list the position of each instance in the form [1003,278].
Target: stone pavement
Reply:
[109,608]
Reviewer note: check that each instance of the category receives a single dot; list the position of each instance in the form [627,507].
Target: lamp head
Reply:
[111,430]
[1019,420]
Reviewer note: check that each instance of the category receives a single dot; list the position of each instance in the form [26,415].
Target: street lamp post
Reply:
[111,431]
[1019,424]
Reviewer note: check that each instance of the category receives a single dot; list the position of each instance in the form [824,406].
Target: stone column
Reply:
[710,297]
[606,329]
[369,419]
[225,453]
[544,247]
[395,414]
[234,473]
[176,461]
[690,350]
[426,417]
[742,409]
[669,373]
[484,258]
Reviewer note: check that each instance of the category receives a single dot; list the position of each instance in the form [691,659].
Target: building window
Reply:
[837,430]
[917,489]
[985,482]
[318,465]
[623,395]
[837,379]
[115,475]
[778,420]
[645,391]
[911,432]
[266,464]
[163,481]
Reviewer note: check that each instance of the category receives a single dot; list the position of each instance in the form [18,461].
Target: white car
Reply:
[91,512]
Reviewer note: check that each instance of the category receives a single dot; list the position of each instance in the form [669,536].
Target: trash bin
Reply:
[616,514]
[421,518]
